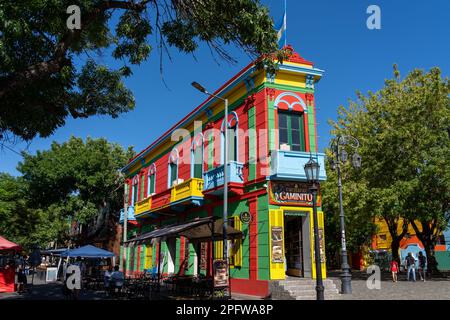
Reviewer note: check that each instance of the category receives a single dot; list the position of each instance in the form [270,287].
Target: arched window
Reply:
[173,167]
[142,187]
[197,157]
[233,145]
[151,179]
[134,190]
[291,121]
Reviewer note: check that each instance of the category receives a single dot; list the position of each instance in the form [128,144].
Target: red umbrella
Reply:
[8,245]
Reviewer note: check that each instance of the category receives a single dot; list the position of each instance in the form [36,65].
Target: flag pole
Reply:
[285,17]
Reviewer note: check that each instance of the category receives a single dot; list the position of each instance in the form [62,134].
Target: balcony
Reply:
[214,178]
[289,165]
[143,206]
[190,190]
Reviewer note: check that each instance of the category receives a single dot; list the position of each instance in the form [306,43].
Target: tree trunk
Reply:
[432,264]
[428,237]
[395,246]
[392,224]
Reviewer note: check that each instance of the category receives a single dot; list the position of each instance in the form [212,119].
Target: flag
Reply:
[281,31]
[130,216]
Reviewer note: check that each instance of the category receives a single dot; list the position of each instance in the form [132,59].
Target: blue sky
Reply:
[332,34]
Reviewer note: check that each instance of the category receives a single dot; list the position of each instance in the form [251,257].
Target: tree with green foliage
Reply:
[78,181]
[21,223]
[405,147]
[358,221]
[41,82]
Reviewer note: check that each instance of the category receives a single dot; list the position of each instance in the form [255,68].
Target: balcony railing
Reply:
[215,177]
[191,188]
[290,164]
[143,206]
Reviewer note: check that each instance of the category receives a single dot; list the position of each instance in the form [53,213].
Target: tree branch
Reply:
[59,60]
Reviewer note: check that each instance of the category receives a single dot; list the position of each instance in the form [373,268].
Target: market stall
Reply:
[8,250]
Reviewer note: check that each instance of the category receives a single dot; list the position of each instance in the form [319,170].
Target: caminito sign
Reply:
[291,193]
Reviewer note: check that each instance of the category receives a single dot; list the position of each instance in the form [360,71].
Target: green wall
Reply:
[263,238]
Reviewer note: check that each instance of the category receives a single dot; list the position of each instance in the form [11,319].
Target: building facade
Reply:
[179,178]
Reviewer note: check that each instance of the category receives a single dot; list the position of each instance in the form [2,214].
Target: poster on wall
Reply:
[203,255]
[277,244]
[321,246]
[220,273]
[291,193]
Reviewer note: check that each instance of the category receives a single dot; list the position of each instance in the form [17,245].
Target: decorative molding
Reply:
[295,57]
[298,101]
[271,93]
[249,101]
[309,98]
[310,81]
[249,83]
[209,113]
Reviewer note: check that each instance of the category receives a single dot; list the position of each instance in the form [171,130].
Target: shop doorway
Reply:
[293,243]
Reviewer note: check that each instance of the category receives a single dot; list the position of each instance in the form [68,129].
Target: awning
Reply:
[8,245]
[199,229]
[88,251]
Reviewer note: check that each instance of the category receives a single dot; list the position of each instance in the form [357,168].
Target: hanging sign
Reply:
[291,193]
[245,217]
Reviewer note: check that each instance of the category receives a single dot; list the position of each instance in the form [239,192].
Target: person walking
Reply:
[107,278]
[117,279]
[394,270]
[410,262]
[22,280]
[422,265]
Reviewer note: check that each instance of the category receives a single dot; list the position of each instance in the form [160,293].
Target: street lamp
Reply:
[200,88]
[312,176]
[341,155]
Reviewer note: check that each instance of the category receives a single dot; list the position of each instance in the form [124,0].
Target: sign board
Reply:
[291,193]
[220,268]
[51,274]
[294,213]
[276,234]
[245,217]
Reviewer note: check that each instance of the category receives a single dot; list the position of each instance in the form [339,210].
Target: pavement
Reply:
[432,289]
[436,288]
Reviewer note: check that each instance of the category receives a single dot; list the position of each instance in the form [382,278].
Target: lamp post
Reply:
[312,175]
[341,155]
[125,225]
[200,88]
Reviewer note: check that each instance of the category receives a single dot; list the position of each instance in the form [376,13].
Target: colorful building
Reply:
[381,242]
[178,179]
[382,239]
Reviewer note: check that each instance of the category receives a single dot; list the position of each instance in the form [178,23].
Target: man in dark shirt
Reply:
[422,264]
[411,265]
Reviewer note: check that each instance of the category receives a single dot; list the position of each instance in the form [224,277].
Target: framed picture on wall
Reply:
[276,234]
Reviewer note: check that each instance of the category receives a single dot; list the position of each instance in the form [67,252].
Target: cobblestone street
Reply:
[432,289]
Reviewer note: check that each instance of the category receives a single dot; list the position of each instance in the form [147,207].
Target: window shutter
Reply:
[238,244]
[218,249]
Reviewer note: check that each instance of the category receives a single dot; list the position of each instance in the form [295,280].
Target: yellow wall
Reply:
[383,232]
[276,219]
